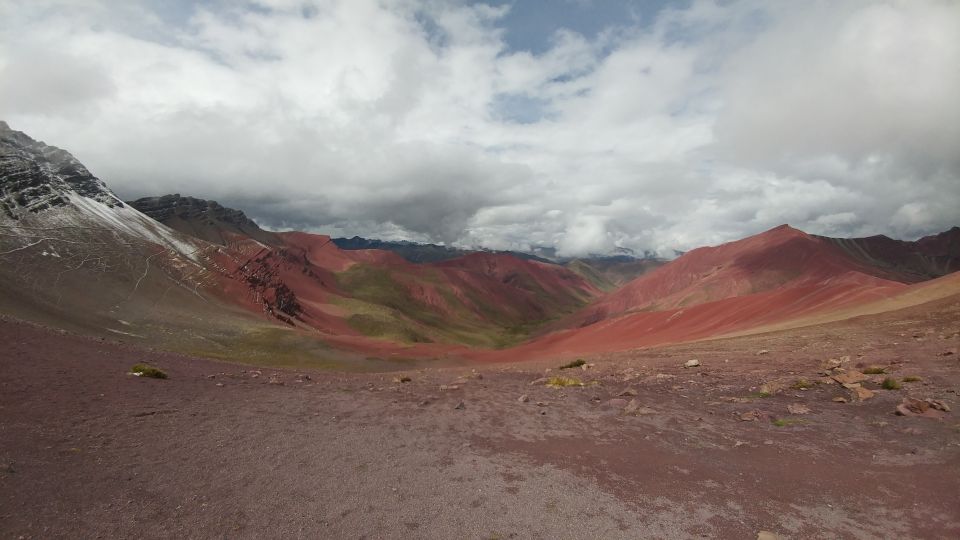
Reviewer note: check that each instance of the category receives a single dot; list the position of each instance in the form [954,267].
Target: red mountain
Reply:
[775,276]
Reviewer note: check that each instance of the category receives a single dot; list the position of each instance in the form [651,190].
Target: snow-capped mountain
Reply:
[44,187]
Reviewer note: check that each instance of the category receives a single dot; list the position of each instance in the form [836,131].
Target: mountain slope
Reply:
[775,279]
[780,257]
[202,219]
[75,256]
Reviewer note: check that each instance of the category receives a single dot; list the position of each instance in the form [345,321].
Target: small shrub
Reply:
[575,364]
[890,384]
[874,370]
[912,378]
[146,370]
[803,384]
[562,382]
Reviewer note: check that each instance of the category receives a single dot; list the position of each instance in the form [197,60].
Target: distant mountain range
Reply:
[191,275]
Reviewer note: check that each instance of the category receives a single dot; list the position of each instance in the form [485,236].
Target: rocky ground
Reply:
[761,435]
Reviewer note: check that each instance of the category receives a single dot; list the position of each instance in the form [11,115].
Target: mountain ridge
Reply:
[217,284]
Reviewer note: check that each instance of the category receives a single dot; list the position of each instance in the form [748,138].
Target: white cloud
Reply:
[411,119]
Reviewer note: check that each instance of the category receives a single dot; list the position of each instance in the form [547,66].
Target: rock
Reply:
[798,408]
[448,387]
[211,376]
[523,399]
[862,393]
[761,352]
[850,386]
[628,392]
[939,405]
[767,535]
[948,352]
[927,408]
[635,408]
[460,406]
[402,379]
[691,363]
[275,380]
[850,377]
[541,380]
[839,400]
[220,384]
[7,468]
[750,416]
[541,404]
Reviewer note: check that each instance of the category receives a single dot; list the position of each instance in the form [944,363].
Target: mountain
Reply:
[191,275]
[423,253]
[202,219]
[608,273]
[780,275]
[208,280]
[76,256]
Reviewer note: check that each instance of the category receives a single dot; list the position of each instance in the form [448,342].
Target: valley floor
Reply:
[229,451]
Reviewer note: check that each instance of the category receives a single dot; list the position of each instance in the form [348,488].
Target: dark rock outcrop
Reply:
[35,176]
[207,220]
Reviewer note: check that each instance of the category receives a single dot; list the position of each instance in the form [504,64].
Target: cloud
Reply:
[403,119]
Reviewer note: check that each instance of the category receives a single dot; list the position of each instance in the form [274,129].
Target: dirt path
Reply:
[227,451]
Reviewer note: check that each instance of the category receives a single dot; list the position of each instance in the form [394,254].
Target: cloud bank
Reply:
[689,125]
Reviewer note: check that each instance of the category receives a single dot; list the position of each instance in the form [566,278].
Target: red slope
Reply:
[710,319]
[779,275]
[296,282]
[780,257]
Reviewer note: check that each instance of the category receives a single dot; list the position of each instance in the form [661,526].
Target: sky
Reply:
[583,125]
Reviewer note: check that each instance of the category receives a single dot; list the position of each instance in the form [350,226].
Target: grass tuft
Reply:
[890,384]
[912,378]
[803,384]
[563,382]
[575,364]
[146,370]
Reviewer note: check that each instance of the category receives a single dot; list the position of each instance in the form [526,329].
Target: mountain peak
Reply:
[38,176]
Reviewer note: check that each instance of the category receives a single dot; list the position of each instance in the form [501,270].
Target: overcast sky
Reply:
[583,125]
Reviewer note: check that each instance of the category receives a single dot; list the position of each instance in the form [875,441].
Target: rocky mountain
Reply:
[203,219]
[37,177]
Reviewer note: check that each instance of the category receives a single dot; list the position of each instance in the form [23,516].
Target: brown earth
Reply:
[224,450]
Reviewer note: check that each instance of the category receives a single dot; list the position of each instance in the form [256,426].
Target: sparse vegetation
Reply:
[146,370]
[563,382]
[890,384]
[759,395]
[803,384]
[912,378]
[575,364]
[874,370]
[786,422]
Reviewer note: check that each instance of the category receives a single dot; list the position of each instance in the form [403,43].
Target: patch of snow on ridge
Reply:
[130,221]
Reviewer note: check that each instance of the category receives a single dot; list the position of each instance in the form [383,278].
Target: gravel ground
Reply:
[221,450]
